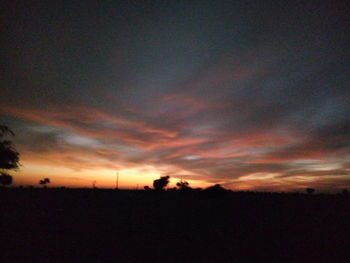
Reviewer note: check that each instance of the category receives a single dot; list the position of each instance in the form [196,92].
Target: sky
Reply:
[252,95]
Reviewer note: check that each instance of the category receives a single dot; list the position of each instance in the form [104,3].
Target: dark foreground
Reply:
[57,225]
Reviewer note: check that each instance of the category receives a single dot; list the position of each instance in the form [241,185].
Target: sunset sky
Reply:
[253,95]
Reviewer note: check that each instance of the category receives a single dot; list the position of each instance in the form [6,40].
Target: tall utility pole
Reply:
[117,181]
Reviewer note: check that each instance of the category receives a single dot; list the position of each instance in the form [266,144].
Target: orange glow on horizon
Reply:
[129,178]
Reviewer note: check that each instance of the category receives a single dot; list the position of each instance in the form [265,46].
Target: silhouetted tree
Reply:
[161,183]
[183,185]
[5,179]
[310,190]
[345,192]
[44,182]
[147,188]
[9,157]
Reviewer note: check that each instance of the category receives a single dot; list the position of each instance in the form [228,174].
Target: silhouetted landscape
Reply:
[95,225]
[166,224]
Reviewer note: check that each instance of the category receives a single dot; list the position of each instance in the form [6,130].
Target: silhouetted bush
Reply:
[183,185]
[161,183]
[44,182]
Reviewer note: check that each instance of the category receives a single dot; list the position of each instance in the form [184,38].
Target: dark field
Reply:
[67,225]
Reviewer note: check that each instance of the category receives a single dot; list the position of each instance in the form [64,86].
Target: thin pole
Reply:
[117,181]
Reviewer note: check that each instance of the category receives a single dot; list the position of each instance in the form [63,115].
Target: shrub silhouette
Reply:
[9,157]
[161,183]
[44,182]
[183,185]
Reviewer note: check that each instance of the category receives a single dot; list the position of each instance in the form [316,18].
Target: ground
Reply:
[86,225]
